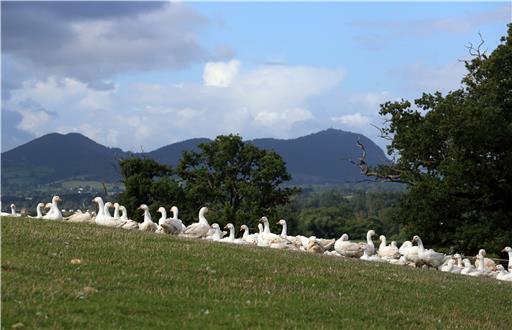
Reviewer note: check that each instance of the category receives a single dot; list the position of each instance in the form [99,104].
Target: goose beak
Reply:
[503,250]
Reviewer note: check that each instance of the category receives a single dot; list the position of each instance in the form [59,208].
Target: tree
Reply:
[239,182]
[148,182]
[455,154]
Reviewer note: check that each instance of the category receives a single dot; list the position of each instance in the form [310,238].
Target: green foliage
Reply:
[237,180]
[455,151]
[148,182]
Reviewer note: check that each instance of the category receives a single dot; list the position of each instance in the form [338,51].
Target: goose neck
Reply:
[39,212]
[420,245]
[231,233]
[124,216]
[101,207]
[369,239]
[116,211]
[164,214]
[147,216]
[202,218]
[284,230]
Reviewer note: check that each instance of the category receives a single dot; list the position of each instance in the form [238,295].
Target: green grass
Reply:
[141,280]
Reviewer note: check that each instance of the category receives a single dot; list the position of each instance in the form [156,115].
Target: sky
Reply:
[141,75]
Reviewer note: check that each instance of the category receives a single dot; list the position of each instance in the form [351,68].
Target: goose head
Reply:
[507,249]
[109,205]
[482,253]
[116,204]
[344,237]
[161,210]
[244,227]
[416,238]
[47,205]
[229,226]
[97,200]
[215,226]
[264,220]
[56,199]
[393,243]
[382,237]
[143,207]
[281,222]
[371,232]
[13,206]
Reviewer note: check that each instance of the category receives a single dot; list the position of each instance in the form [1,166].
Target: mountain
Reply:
[315,158]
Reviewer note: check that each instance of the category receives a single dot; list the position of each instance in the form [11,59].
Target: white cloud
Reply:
[220,74]
[258,102]
[356,119]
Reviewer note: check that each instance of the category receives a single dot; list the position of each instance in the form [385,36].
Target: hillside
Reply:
[141,280]
[316,158]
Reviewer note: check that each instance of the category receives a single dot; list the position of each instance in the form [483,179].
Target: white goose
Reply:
[148,224]
[409,251]
[370,247]
[249,238]
[54,213]
[468,267]
[489,264]
[173,225]
[198,229]
[508,249]
[103,219]
[348,249]
[217,233]
[428,257]
[231,238]
[39,211]
[163,217]
[368,257]
[128,223]
[284,234]
[266,238]
[503,275]
[13,212]
[387,251]
[80,217]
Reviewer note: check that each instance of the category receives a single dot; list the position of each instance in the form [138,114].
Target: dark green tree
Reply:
[455,154]
[148,182]
[238,181]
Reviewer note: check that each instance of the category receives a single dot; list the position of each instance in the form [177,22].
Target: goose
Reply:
[348,249]
[503,275]
[163,217]
[79,217]
[249,238]
[128,223]
[174,210]
[148,224]
[284,233]
[480,270]
[489,264]
[13,212]
[173,225]
[368,257]
[39,211]
[266,238]
[198,229]
[369,242]
[508,249]
[448,267]
[101,218]
[315,247]
[231,238]
[429,257]
[217,233]
[48,206]
[409,251]
[387,251]
[54,213]
[468,267]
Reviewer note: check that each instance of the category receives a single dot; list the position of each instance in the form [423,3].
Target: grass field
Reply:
[140,280]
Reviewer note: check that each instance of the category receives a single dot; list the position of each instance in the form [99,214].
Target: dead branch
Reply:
[366,171]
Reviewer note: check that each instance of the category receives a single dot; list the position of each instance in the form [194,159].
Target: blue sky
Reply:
[142,75]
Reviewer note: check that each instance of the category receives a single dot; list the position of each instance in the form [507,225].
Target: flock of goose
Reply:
[407,254]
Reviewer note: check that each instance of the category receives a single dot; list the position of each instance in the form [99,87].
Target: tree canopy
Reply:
[237,181]
[455,153]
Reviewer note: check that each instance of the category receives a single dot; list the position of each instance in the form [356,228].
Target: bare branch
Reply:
[365,169]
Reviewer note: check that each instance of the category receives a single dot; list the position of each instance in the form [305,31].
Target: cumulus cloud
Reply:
[260,101]
[220,74]
[94,41]
[356,119]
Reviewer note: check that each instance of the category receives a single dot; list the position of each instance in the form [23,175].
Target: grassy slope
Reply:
[144,280]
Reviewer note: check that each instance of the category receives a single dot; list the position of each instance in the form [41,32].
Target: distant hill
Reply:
[313,159]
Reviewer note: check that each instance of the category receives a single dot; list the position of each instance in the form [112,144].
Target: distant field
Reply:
[141,280]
